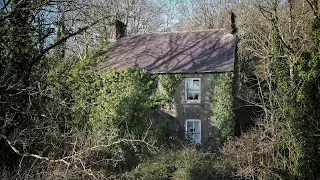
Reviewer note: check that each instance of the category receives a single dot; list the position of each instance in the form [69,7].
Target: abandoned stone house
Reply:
[196,55]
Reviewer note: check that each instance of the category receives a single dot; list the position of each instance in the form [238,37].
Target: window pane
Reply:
[196,85]
[189,85]
[196,138]
[195,95]
[196,126]
[190,126]
[189,136]
[190,95]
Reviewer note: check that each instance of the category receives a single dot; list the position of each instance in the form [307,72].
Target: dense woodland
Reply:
[62,117]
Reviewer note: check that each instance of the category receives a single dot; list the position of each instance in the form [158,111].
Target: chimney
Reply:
[228,22]
[117,30]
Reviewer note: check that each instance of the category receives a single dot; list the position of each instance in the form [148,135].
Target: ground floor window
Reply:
[193,130]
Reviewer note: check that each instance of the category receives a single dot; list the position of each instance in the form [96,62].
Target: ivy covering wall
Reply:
[170,82]
[222,104]
[114,106]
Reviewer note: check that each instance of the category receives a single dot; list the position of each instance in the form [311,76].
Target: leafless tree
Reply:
[205,14]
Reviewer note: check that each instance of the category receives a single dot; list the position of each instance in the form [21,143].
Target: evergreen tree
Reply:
[17,46]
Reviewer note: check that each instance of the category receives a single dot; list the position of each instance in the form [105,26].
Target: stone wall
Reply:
[182,110]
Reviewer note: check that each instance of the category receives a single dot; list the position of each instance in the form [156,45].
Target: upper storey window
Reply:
[192,90]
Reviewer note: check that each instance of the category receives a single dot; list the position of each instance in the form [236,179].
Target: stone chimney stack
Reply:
[228,22]
[117,30]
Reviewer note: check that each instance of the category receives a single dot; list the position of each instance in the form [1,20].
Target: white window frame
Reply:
[186,128]
[186,91]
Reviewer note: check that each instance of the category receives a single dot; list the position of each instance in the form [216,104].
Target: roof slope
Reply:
[178,52]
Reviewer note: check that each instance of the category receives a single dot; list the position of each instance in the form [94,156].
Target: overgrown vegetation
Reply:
[186,163]
[62,117]
[170,82]
[302,116]
[112,105]
[222,105]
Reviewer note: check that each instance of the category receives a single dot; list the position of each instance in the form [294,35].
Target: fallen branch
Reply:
[33,155]
[121,141]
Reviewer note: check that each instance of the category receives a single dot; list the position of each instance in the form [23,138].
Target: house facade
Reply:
[192,108]
[196,55]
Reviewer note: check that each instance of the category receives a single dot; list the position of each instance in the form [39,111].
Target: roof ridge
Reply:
[175,32]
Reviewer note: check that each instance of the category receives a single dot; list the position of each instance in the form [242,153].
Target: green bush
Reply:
[187,163]
[222,100]
[170,82]
[116,107]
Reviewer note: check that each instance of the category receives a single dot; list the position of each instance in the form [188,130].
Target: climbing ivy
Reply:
[112,105]
[170,82]
[304,113]
[222,104]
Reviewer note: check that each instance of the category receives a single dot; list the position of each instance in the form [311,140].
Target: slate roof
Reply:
[175,52]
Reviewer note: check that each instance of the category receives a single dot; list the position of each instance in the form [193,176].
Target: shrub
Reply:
[262,153]
[114,108]
[222,100]
[187,163]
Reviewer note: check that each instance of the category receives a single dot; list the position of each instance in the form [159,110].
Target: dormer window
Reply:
[192,90]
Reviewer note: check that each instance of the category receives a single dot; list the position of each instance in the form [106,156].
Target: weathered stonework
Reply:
[182,110]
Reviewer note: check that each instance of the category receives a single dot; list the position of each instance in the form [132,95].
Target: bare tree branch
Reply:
[33,155]
[314,7]
[64,39]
